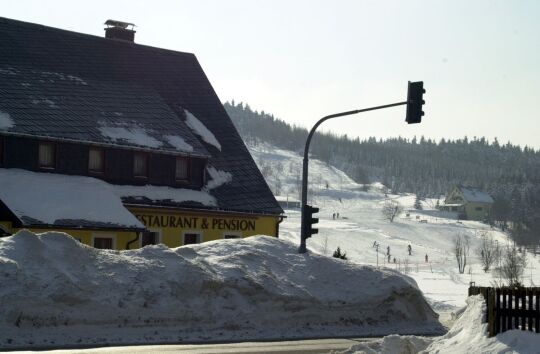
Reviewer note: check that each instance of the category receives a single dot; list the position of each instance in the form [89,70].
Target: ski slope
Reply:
[361,224]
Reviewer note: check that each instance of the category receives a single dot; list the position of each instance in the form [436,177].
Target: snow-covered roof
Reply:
[53,199]
[282,198]
[141,91]
[49,199]
[473,194]
[56,105]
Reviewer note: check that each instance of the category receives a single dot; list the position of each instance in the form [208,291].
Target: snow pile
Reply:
[56,290]
[52,198]
[201,130]
[5,121]
[178,195]
[467,335]
[178,143]
[133,135]
[218,178]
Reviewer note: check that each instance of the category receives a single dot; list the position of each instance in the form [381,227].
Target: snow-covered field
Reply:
[361,224]
[56,292]
[429,232]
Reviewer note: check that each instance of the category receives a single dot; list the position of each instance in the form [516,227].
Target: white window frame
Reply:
[158,231]
[186,159]
[147,161]
[53,152]
[102,156]
[191,232]
[113,236]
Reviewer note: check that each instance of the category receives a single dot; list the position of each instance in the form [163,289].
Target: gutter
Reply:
[281,218]
[138,233]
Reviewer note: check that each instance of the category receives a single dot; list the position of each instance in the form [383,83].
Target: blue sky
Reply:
[301,60]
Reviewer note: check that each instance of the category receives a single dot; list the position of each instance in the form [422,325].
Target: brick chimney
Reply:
[120,30]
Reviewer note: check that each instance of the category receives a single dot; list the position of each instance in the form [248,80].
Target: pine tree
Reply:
[417,203]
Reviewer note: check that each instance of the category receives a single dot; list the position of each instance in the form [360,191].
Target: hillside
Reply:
[361,225]
[511,174]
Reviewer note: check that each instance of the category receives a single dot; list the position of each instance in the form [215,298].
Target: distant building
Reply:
[469,202]
[288,202]
[119,144]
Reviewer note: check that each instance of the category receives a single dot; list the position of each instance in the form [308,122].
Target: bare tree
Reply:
[513,266]
[391,209]
[487,250]
[461,251]
[277,186]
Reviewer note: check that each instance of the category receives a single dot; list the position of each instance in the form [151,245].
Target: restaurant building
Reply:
[119,144]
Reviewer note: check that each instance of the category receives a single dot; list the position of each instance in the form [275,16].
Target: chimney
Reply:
[120,30]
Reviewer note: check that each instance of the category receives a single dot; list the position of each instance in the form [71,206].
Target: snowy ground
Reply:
[428,231]
[467,335]
[56,292]
[361,224]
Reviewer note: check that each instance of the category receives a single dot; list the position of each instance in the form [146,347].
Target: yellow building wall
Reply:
[473,214]
[120,238]
[173,224]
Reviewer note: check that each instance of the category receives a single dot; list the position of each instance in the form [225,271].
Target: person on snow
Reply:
[409,248]
[426,258]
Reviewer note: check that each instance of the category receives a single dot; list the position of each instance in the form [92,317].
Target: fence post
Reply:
[490,301]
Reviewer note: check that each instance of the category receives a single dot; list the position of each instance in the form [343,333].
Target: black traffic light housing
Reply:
[415,101]
[308,221]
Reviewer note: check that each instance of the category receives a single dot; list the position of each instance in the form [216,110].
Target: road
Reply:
[311,346]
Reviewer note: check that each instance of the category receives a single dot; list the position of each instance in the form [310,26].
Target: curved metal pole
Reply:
[303,231]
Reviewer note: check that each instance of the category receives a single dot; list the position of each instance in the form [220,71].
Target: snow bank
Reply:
[5,121]
[467,335]
[57,291]
[201,130]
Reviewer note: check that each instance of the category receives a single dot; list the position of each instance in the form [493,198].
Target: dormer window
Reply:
[140,165]
[96,160]
[47,155]
[182,169]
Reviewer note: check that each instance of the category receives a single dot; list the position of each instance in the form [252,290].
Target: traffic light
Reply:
[308,221]
[415,102]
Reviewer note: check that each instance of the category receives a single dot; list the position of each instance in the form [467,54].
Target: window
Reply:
[228,236]
[140,165]
[191,238]
[478,208]
[149,238]
[181,172]
[47,155]
[96,160]
[103,242]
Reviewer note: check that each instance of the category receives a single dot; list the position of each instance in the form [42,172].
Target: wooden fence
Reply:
[510,308]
